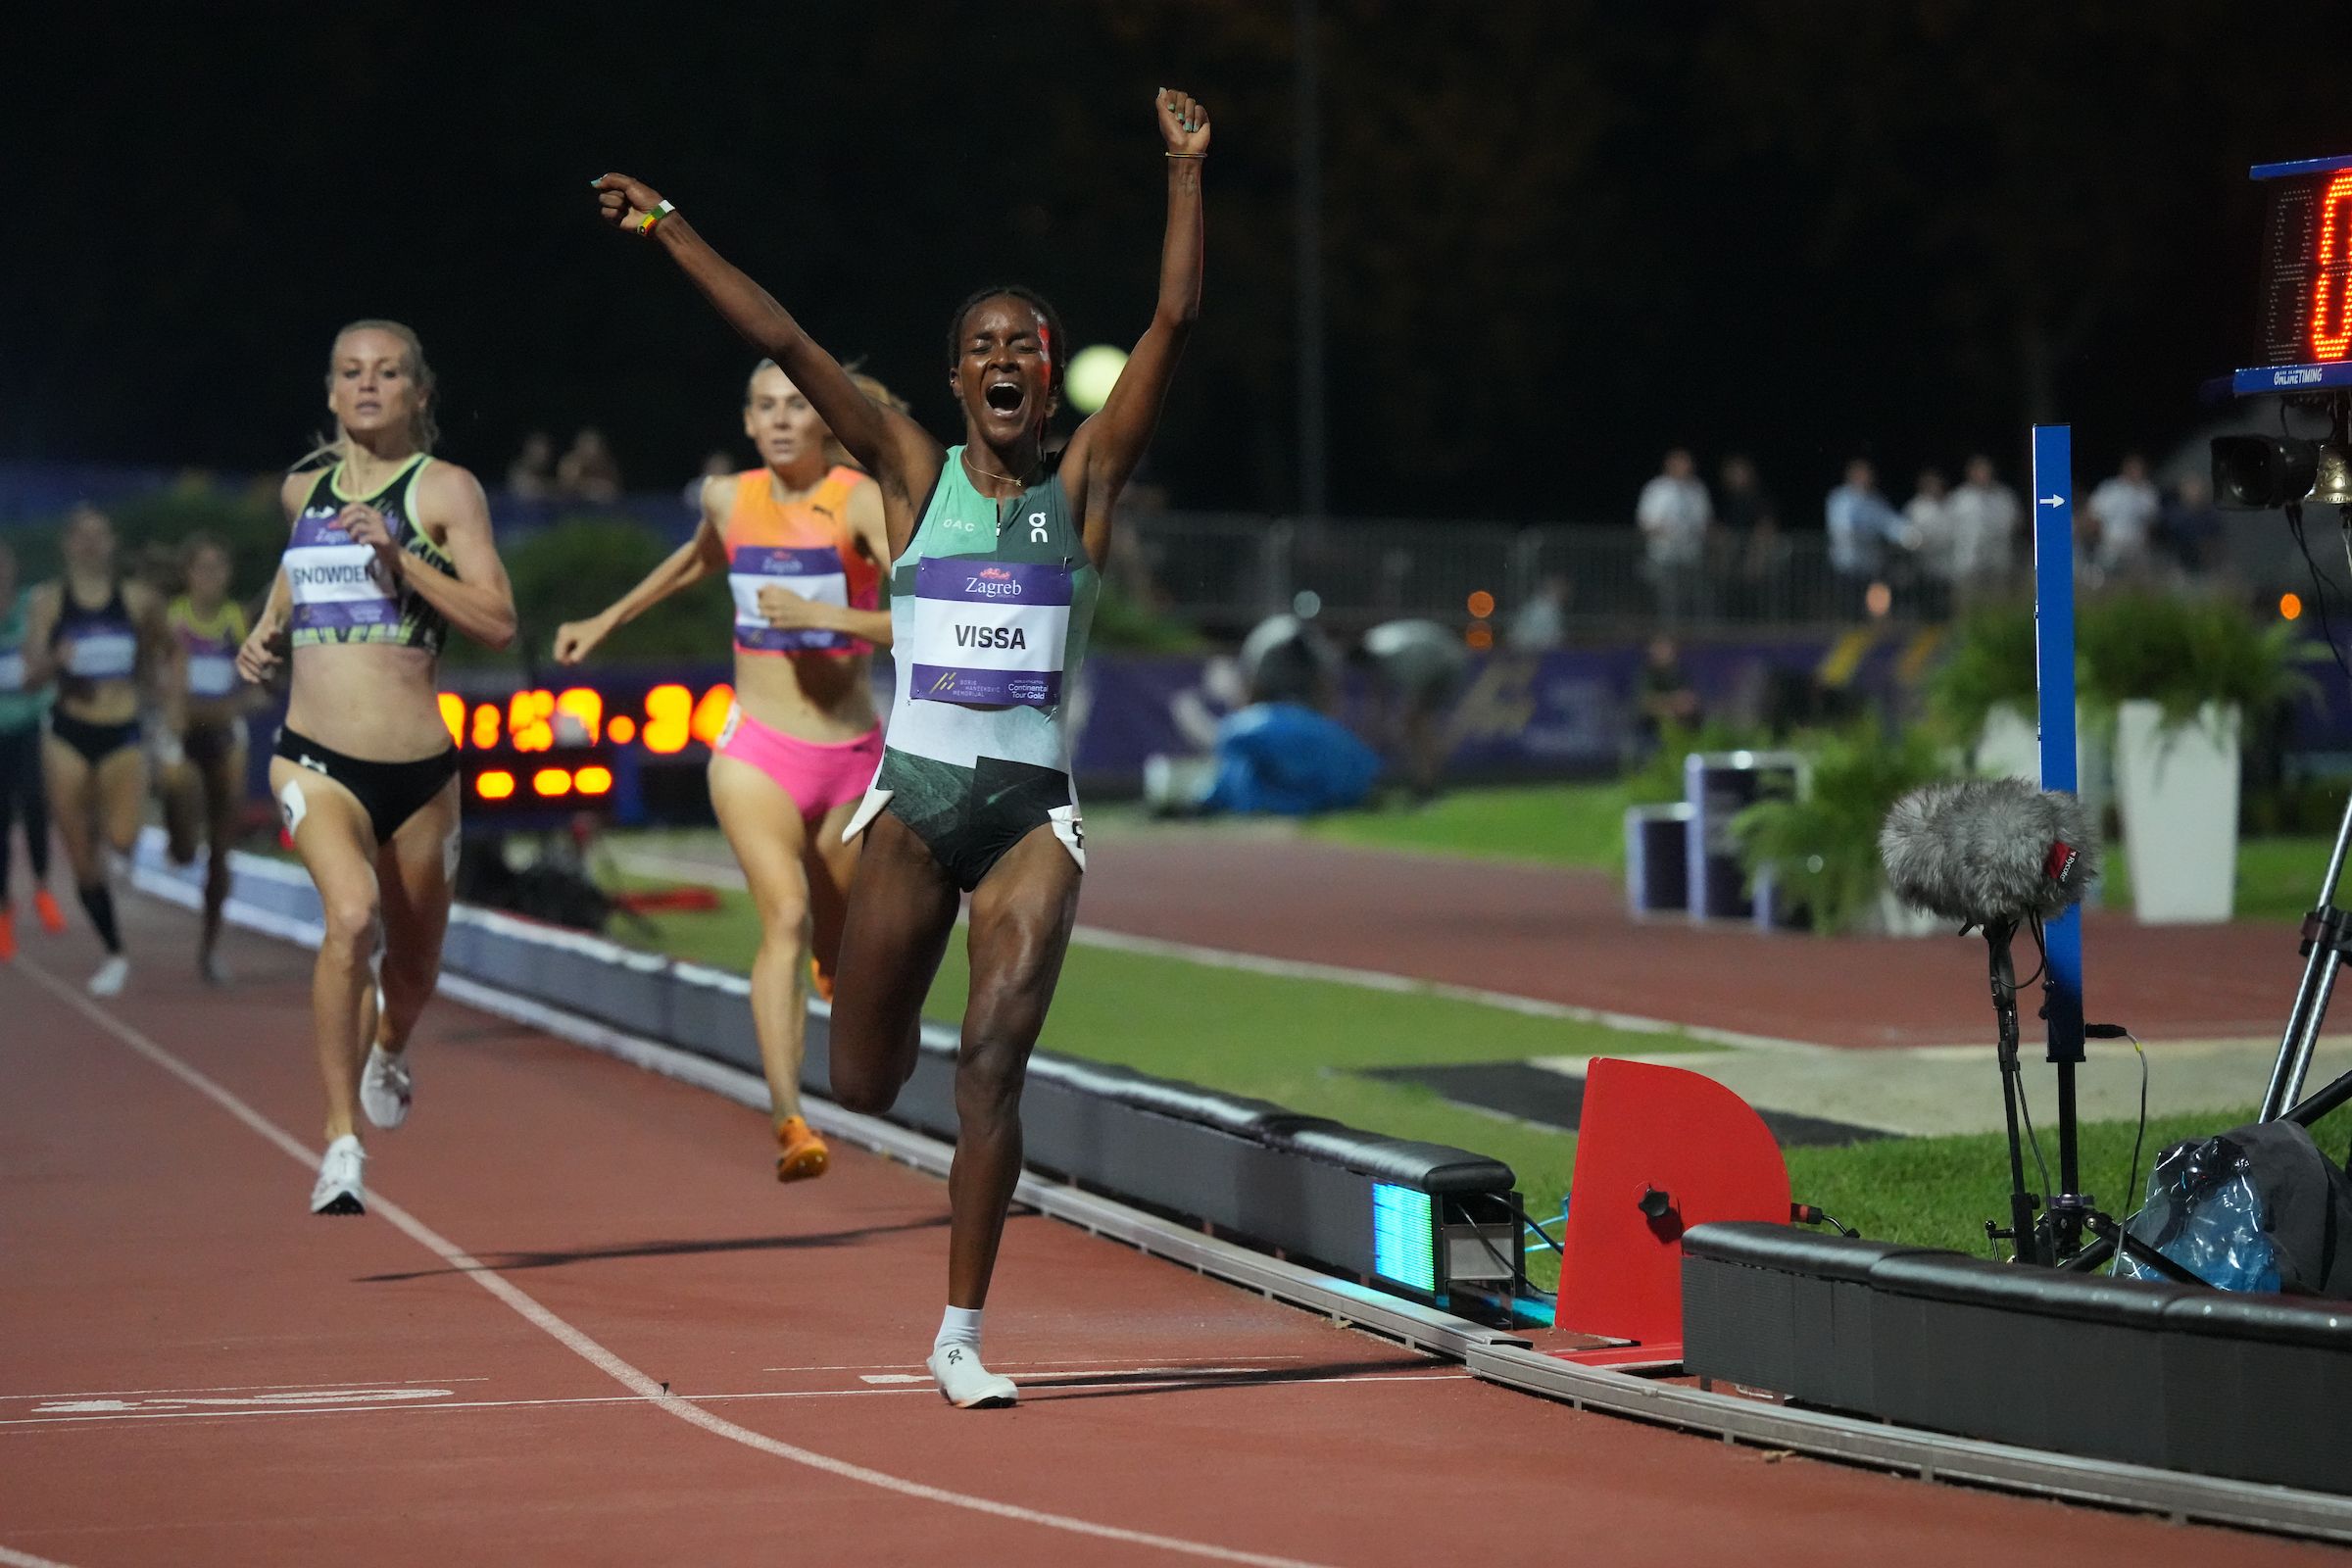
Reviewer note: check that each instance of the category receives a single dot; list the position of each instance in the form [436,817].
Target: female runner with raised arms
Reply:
[390,549]
[801,542]
[997,557]
[202,794]
[100,637]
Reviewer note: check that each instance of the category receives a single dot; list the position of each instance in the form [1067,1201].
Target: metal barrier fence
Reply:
[1225,571]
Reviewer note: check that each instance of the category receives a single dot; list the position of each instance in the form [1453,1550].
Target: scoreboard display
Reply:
[2304,309]
[590,746]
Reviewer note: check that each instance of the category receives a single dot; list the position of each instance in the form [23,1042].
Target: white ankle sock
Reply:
[960,1326]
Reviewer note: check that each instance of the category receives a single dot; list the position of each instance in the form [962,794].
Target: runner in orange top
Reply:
[803,546]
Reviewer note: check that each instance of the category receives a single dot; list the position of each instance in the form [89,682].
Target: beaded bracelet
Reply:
[645,225]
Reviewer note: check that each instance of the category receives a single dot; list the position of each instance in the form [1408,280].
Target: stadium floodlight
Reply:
[1094,371]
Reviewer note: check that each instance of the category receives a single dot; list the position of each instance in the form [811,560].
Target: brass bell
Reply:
[2331,481]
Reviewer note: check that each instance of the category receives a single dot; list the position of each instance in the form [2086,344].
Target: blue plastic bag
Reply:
[2205,1212]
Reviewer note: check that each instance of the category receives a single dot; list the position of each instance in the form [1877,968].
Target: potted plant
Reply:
[1984,698]
[1822,847]
[2179,676]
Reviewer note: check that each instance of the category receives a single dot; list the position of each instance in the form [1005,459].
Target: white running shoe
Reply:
[967,1385]
[385,1088]
[214,970]
[111,977]
[338,1190]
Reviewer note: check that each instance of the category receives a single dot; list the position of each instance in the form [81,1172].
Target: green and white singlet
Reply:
[990,608]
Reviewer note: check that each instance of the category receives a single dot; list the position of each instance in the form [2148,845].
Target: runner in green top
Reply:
[996,553]
[22,801]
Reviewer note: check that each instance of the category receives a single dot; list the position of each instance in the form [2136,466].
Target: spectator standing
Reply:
[1542,623]
[1861,524]
[1927,536]
[1417,669]
[531,477]
[588,472]
[1983,516]
[1746,504]
[2125,509]
[1675,515]
[2194,530]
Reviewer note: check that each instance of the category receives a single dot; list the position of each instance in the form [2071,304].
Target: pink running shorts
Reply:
[818,775]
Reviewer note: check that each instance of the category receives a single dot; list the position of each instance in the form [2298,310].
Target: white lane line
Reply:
[26,1559]
[648,1388]
[236,1388]
[1256,1362]
[763,1396]
[322,1398]
[648,862]
[1094,1370]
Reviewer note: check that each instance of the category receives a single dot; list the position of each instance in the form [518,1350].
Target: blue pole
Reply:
[2054,676]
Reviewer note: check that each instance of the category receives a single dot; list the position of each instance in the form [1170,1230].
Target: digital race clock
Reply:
[610,745]
[2305,323]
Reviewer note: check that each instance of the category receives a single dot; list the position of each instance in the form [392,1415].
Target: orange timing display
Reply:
[2332,284]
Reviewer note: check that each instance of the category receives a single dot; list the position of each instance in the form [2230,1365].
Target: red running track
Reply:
[196,1371]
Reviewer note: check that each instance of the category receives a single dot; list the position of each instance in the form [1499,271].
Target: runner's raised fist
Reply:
[1183,121]
[623,202]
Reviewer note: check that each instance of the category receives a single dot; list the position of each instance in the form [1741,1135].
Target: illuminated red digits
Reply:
[2332,331]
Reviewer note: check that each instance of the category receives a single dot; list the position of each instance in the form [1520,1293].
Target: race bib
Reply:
[336,583]
[813,573]
[12,671]
[212,674]
[103,656]
[990,633]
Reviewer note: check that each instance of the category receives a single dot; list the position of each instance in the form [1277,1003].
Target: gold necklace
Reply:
[1002,478]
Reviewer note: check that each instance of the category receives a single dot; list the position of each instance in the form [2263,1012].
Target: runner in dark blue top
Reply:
[100,638]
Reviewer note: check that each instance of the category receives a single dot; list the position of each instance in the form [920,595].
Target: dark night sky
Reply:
[1560,235]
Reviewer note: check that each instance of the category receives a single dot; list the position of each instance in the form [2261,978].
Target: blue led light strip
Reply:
[1403,1237]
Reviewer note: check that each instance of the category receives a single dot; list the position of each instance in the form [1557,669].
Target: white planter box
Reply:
[2178,791]
[2010,748]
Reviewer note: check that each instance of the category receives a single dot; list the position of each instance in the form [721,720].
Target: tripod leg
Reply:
[2310,1011]
[2302,1036]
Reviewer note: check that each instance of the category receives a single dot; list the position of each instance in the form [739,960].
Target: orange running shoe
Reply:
[821,979]
[8,932]
[803,1153]
[44,905]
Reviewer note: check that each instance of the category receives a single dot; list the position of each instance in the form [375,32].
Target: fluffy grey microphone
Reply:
[1989,850]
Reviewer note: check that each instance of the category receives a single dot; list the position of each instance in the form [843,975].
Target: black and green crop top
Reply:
[341,594]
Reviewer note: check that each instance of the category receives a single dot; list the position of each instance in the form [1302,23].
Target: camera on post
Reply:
[2261,472]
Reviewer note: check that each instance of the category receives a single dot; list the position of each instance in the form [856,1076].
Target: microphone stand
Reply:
[2023,1231]
[2058,1243]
